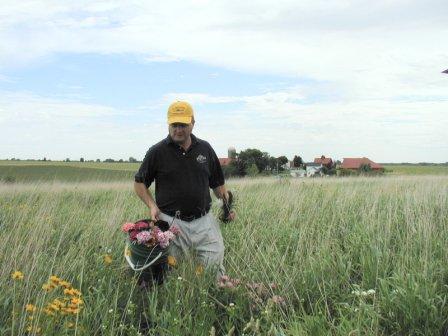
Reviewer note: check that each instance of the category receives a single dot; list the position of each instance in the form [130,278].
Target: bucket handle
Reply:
[138,269]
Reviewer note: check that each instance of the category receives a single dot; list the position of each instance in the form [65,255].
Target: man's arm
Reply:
[221,192]
[146,197]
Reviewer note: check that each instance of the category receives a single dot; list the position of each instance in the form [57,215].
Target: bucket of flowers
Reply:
[147,242]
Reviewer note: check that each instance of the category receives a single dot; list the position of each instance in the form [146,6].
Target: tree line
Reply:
[253,161]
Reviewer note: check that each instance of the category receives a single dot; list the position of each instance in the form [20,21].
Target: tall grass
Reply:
[358,256]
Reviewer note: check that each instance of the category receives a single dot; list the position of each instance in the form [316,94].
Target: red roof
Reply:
[225,161]
[355,163]
[323,161]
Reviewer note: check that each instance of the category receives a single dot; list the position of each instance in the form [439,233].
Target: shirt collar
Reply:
[194,140]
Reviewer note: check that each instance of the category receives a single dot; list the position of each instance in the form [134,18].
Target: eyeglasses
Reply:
[178,125]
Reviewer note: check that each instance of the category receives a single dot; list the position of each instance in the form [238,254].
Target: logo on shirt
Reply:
[201,159]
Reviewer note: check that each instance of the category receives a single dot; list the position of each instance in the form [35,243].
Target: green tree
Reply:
[252,170]
[282,160]
[230,170]
[297,161]
[254,156]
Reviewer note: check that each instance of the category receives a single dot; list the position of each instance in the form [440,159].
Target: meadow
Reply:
[339,256]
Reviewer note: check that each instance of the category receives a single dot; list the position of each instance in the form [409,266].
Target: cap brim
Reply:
[182,120]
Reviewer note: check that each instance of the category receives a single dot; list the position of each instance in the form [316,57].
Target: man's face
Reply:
[180,132]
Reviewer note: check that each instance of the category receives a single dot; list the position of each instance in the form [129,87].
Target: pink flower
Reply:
[133,235]
[127,227]
[143,237]
[174,229]
[164,238]
[277,299]
[224,278]
[169,235]
[141,225]
[227,282]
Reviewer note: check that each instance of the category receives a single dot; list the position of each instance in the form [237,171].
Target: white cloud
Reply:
[380,61]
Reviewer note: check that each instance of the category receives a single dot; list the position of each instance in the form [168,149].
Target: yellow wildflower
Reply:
[107,259]
[34,330]
[30,308]
[172,261]
[48,312]
[68,291]
[58,303]
[54,307]
[199,270]
[47,287]
[55,279]
[70,325]
[77,301]
[17,275]
[76,292]
[65,284]
[127,252]
[72,292]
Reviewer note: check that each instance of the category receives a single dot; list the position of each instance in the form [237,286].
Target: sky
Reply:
[94,79]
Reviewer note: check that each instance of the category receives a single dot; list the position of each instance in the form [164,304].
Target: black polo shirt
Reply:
[183,178]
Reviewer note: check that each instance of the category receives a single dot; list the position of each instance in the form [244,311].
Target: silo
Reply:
[231,153]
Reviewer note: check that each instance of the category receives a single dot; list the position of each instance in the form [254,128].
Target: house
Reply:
[324,161]
[297,172]
[313,169]
[355,163]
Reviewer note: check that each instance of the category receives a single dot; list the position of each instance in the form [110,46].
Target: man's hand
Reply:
[232,216]
[227,213]
[155,213]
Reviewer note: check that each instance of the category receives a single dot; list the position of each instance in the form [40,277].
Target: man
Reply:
[184,167]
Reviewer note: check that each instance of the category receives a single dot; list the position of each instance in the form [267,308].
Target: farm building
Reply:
[324,161]
[225,161]
[356,163]
[297,172]
[231,153]
[313,169]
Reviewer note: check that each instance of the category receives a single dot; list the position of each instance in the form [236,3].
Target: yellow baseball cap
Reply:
[180,112]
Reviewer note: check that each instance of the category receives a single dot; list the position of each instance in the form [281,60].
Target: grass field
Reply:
[416,170]
[339,256]
[31,171]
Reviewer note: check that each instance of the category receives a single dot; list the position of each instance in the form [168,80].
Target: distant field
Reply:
[31,171]
[416,170]
[97,165]
[65,171]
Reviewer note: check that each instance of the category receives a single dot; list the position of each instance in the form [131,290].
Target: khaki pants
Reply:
[202,235]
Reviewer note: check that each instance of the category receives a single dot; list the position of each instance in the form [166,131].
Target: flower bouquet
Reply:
[147,242]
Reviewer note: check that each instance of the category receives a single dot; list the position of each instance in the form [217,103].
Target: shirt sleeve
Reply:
[216,175]
[147,170]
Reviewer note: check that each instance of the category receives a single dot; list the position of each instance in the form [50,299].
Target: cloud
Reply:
[279,122]
[370,71]
[282,124]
